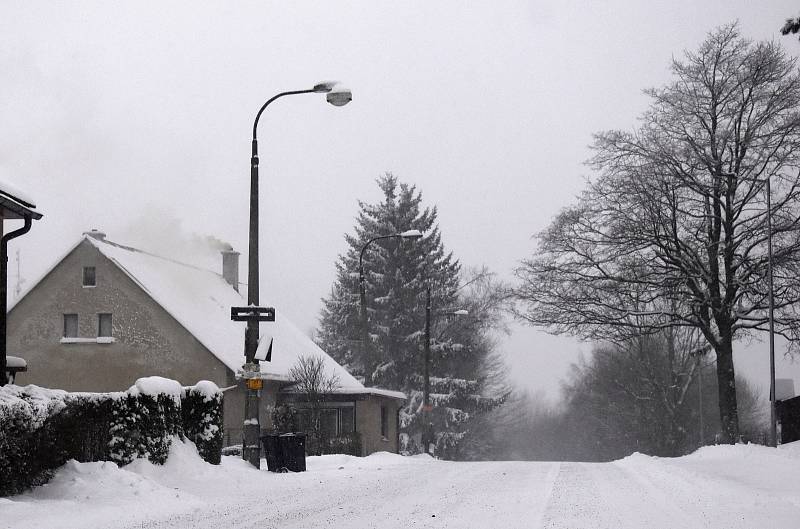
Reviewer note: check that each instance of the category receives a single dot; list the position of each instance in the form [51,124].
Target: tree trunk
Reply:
[726,387]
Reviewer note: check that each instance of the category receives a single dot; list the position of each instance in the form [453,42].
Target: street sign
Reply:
[252,313]
[254,383]
[265,352]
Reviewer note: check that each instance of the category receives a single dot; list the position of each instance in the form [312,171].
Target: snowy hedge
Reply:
[41,429]
[201,409]
[145,420]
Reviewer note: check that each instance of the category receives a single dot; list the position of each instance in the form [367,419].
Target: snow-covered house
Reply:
[107,314]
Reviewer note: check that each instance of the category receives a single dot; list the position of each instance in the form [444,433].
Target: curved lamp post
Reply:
[251,450]
[365,353]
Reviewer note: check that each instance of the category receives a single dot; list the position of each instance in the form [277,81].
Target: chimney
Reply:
[96,234]
[230,267]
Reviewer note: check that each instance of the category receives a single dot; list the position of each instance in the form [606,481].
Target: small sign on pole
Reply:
[264,352]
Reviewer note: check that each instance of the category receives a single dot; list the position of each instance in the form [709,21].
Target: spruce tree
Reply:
[397,273]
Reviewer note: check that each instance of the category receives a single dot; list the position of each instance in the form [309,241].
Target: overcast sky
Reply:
[135,118]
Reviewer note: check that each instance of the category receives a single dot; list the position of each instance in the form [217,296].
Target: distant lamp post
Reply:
[427,407]
[365,352]
[773,428]
[13,206]
[251,450]
[771,300]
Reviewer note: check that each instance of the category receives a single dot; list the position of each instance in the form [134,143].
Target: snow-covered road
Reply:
[725,487]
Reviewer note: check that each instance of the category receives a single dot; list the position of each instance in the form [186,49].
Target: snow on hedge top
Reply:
[155,386]
[207,389]
[201,301]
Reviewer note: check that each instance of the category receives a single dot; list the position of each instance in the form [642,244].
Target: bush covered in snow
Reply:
[143,426]
[201,410]
[41,429]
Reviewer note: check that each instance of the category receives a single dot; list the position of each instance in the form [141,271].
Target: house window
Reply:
[333,422]
[304,420]
[347,423]
[384,422]
[328,419]
[104,325]
[89,276]
[70,325]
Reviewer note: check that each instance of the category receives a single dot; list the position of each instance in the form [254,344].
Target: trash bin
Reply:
[285,452]
[272,452]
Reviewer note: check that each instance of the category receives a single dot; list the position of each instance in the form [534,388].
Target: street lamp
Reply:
[427,408]
[772,419]
[251,450]
[368,367]
[770,296]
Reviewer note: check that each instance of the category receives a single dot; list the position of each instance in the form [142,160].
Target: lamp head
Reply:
[461,312]
[324,87]
[410,234]
[339,96]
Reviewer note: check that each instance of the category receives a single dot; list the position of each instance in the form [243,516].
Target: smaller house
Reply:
[107,314]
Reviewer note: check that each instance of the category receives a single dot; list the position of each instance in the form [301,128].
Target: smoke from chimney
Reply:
[230,267]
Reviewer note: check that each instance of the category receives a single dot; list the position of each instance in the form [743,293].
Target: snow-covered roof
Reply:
[17,202]
[359,391]
[16,193]
[201,301]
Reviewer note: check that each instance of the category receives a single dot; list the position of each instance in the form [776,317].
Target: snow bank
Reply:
[730,487]
[100,495]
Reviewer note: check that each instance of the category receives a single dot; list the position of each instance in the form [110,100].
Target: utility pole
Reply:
[428,444]
[772,419]
[700,403]
[427,440]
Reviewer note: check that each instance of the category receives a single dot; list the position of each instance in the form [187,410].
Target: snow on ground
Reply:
[743,486]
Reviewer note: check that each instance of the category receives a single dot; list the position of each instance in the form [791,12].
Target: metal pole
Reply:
[251,429]
[772,423]
[700,403]
[426,390]
[366,354]
[364,333]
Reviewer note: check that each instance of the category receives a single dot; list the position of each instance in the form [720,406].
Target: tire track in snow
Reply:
[544,501]
[606,496]
[435,495]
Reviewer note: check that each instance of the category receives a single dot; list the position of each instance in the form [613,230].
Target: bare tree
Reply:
[640,398]
[315,384]
[673,231]
[638,392]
